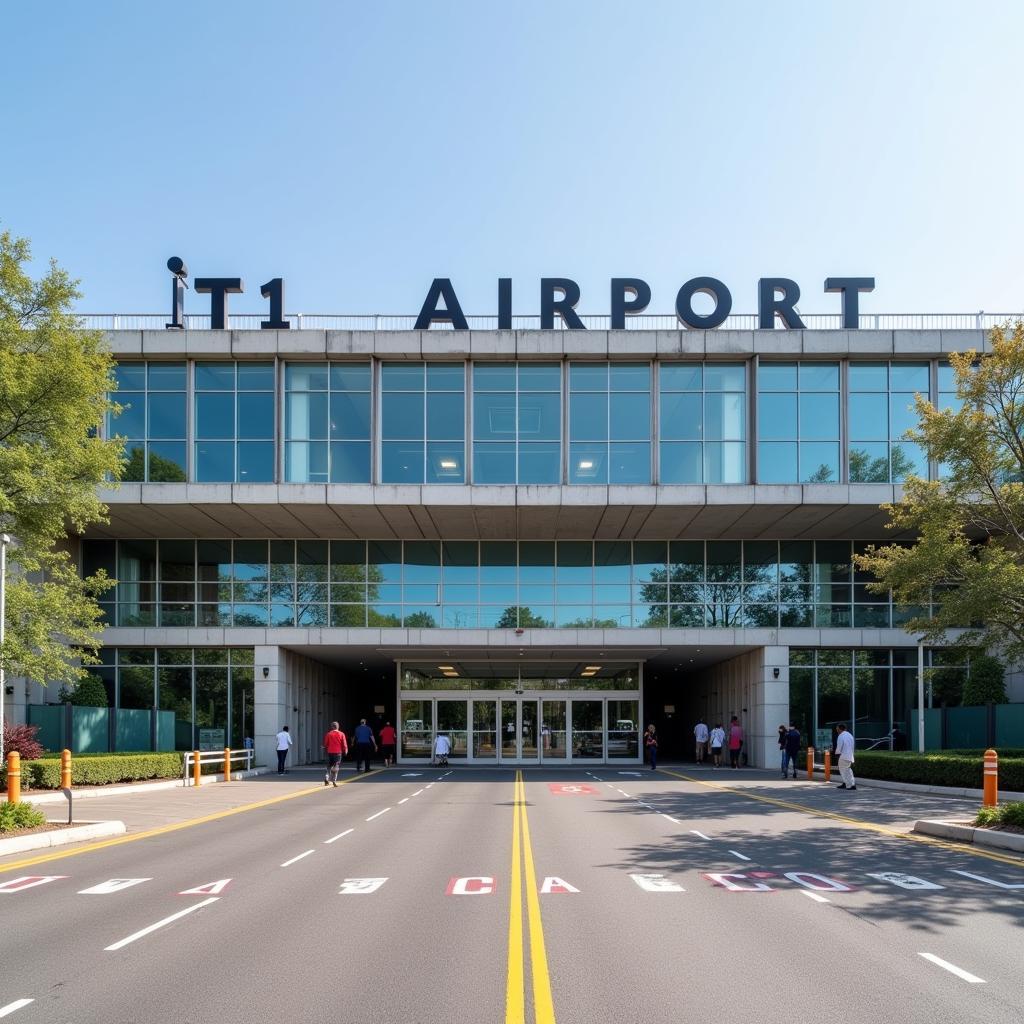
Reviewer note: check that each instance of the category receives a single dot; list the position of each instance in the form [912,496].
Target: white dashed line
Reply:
[428,785]
[404,798]
[288,863]
[378,814]
[340,835]
[736,853]
[16,1005]
[417,793]
[971,979]
[625,794]
[675,821]
[693,831]
[159,924]
[814,896]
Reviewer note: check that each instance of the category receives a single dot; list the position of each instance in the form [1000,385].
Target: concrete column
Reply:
[771,705]
[271,710]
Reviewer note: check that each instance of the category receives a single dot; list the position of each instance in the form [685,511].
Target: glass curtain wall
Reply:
[153,420]
[881,411]
[702,423]
[609,423]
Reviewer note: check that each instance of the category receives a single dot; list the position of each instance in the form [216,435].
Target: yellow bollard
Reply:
[13,777]
[991,779]
[828,765]
[65,769]
[196,766]
[227,764]
[810,762]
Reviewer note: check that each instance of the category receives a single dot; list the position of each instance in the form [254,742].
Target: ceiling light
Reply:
[592,668]
[449,464]
[586,464]
[446,668]
[451,674]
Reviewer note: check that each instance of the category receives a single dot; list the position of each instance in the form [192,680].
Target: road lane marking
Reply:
[289,863]
[403,800]
[694,832]
[821,883]
[905,881]
[16,1005]
[360,886]
[971,979]
[734,881]
[552,885]
[868,826]
[656,883]
[164,829]
[543,1006]
[417,793]
[378,814]
[112,885]
[813,896]
[27,882]
[471,885]
[340,835]
[515,988]
[989,881]
[736,853]
[159,924]
[207,889]
[675,821]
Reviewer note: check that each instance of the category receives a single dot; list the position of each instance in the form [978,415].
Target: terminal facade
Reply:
[538,541]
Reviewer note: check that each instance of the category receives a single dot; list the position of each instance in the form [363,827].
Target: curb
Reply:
[53,796]
[61,837]
[969,834]
[913,787]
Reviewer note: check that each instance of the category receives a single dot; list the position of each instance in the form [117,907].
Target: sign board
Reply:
[378,709]
[670,709]
[823,739]
[211,739]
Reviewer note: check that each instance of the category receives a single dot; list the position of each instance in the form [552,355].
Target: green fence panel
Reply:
[50,719]
[1009,725]
[932,729]
[166,722]
[183,737]
[133,729]
[90,730]
[966,728]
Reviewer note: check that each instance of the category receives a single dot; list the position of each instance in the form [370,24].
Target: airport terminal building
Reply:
[539,541]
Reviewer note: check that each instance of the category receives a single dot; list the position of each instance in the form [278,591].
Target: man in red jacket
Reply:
[387,744]
[336,746]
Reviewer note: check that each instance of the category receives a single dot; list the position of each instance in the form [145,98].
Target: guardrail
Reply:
[643,322]
[193,761]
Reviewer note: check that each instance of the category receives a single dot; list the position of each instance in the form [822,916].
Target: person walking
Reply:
[362,736]
[700,736]
[792,749]
[783,732]
[387,744]
[735,742]
[717,742]
[442,748]
[844,751]
[651,746]
[284,741]
[336,746]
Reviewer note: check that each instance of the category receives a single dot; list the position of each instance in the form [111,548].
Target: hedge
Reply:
[961,769]
[99,769]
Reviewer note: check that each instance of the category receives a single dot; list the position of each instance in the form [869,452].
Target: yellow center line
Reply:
[515,1010]
[867,826]
[161,830]
[543,1007]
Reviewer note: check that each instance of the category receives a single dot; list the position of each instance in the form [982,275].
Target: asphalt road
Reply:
[575,896]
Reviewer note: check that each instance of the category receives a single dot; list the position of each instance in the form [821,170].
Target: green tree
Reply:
[986,681]
[968,556]
[54,381]
[516,616]
[88,692]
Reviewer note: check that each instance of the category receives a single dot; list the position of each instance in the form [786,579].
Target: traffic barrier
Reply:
[227,764]
[196,768]
[13,777]
[828,765]
[991,779]
[810,762]
[65,769]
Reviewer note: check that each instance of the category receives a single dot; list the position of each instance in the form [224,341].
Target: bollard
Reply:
[196,768]
[227,764]
[13,777]
[810,762]
[65,769]
[991,779]
[828,765]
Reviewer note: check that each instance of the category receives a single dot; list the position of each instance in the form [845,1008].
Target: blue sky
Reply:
[359,150]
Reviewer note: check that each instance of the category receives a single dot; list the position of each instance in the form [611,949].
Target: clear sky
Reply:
[360,149]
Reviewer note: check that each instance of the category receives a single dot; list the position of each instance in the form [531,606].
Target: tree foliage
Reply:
[54,380]
[986,682]
[88,692]
[968,556]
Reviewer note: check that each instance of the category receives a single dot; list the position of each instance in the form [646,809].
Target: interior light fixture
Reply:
[592,668]
[449,464]
[586,464]
[446,668]
[451,675]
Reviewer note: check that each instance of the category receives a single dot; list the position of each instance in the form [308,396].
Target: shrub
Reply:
[1011,814]
[962,769]
[986,682]
[100,769]
[15,816]
[88,693]
[22,738]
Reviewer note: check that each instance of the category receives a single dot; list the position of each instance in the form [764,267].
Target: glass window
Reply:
[798,423]
[327,422]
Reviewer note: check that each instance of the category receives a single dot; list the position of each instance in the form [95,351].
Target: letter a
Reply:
[554,884]
[452,312]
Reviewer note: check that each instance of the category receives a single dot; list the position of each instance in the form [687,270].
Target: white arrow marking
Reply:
[209,889]
[989,881]
[160,924]
[112,885]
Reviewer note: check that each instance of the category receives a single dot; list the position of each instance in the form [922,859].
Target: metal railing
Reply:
[216,757]
[644,322]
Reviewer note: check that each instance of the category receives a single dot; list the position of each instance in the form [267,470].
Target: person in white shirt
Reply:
[844,752]
[442,748]
[284,741]
[700,734]
[717,741]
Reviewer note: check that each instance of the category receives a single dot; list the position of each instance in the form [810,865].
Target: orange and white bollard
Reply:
[65,769]
[810,762]
[196,768]
[227,764]
[991,779]
[828,765]
[13,777]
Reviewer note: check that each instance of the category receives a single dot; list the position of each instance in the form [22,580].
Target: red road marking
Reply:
[571,789]
[471,885]
[28,882]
